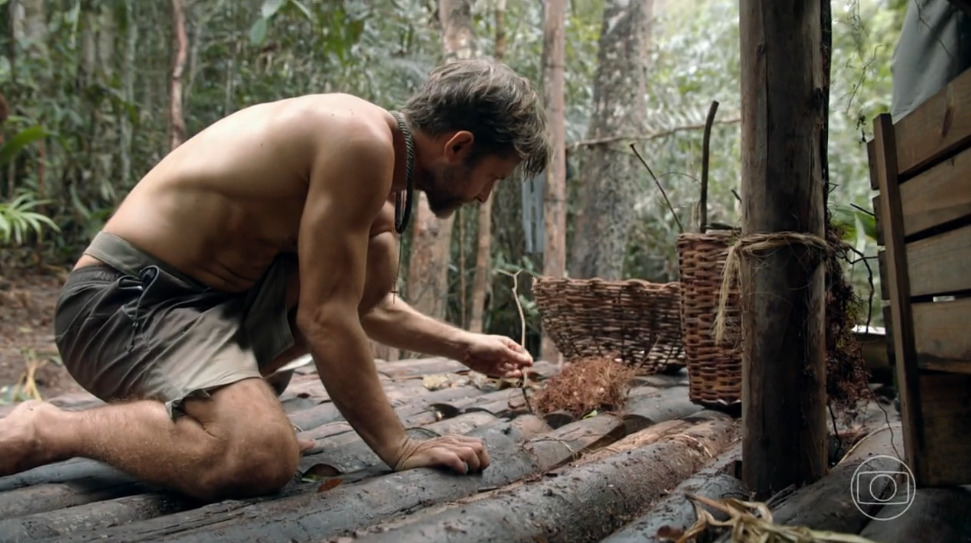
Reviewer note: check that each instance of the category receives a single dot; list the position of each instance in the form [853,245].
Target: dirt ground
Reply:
[27,301]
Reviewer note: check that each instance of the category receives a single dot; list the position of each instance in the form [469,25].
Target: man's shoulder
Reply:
[339,118]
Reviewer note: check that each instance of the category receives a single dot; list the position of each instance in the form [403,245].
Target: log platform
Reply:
[552,478]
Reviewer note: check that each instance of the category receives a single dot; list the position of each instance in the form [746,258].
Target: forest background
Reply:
[98,91]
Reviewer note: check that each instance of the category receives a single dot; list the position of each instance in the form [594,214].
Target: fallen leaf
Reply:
[329,484]
[435,382]
[318,472]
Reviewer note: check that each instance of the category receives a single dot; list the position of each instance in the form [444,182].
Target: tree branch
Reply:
[653,136]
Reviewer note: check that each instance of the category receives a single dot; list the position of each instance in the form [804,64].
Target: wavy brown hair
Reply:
[490,100]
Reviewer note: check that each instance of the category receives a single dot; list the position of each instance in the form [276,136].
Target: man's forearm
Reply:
[347,370]
[396,324]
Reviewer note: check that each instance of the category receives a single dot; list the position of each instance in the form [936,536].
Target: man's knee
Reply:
[253,449]
[252,465]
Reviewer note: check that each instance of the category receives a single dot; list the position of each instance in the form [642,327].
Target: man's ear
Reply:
[459,146]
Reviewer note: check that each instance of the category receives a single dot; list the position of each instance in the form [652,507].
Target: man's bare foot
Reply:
[20,444]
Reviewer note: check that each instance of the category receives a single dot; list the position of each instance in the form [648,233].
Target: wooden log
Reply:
[675,513]
[829,504]
[669,403]
[90,517]
[53,496]
[418,367]
[782,282]
[347,507]
[587,503]
[348,452]
[936,514]
[76,468]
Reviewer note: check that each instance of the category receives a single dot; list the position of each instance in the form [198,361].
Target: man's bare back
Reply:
[220,212]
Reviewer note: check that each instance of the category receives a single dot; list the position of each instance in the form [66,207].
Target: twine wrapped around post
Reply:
[752,245]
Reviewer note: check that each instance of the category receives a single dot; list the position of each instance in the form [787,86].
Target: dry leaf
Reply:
[318,472]
[329,484]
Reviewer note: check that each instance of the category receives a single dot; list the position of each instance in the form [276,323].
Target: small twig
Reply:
[705,152]
[522,319]
[658,183]
[867,211]
[737,197]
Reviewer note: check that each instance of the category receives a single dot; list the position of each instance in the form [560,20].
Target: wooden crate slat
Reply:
[876,215]
[871,147]
[939,264]
[938,195]
[941,335]
[935,128]
[891,215]
[944,429]
[882,265]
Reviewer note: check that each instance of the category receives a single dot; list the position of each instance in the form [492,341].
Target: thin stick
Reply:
[522,320]
[867,211]
[650,137]
[705,152]
[658,183]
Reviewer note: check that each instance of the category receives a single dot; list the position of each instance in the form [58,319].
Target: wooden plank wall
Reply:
[922,169]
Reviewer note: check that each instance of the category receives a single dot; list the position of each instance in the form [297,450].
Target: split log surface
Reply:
[309,516]
[586,504]
[828,503]
[936,514]
[675,513]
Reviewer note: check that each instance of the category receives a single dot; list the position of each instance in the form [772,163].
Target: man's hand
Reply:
[495,356]
[462,454]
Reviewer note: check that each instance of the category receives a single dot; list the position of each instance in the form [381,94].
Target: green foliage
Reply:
[21,139]
[90,101]
[18,219]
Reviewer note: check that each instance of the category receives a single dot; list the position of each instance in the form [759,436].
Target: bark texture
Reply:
[608,171]
[783,112]
[554,199]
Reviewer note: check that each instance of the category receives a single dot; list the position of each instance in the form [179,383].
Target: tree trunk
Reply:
[128,92]
[554,198]
[177,130]
[432,237]
[609,171]
[783,394]
[481,282]
[35,30]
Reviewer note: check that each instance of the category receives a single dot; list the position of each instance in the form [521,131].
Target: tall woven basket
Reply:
[714,368]
[637,321]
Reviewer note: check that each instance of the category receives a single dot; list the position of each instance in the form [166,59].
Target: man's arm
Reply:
[343,199]
[393,322]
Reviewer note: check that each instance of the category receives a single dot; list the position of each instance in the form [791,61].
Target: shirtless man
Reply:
[270,234]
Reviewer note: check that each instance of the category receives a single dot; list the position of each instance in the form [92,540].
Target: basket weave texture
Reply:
[714,368]
[637,321]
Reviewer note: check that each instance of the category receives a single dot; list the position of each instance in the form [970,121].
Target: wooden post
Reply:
[783,395]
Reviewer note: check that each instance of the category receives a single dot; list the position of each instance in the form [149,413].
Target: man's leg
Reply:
[237,443]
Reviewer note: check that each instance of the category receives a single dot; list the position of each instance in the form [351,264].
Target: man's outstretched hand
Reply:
[495,356]
[461,454]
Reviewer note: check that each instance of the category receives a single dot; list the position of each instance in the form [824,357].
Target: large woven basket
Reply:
[636,321]
[714,368]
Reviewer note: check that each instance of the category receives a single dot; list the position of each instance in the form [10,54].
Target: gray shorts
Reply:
[138,329]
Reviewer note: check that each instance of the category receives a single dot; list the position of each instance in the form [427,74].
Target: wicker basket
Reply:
[714,368]
[637,321]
